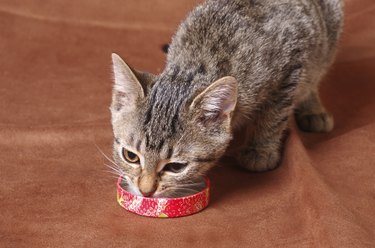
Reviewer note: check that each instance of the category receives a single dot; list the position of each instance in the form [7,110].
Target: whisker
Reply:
[189,184]
[113,167]
[101,151]
[199,185]
[117,170]
[112,172]
[187,189]
[113,175]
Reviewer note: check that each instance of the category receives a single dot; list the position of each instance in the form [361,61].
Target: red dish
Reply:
[163,207]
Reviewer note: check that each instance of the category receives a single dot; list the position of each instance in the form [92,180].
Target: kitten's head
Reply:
[164,142]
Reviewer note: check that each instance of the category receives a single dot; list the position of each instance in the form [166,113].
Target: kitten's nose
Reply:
[147,185]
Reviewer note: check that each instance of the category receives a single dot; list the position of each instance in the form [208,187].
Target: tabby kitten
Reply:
[232,65]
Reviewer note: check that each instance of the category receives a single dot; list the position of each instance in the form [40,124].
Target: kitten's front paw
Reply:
[258,159]
[322,122]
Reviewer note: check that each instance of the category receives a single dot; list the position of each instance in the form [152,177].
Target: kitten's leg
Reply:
[263,150]
[311,115]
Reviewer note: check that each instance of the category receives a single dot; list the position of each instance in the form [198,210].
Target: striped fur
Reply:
[274,52]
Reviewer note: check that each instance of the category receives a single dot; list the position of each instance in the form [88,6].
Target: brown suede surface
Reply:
[55,89]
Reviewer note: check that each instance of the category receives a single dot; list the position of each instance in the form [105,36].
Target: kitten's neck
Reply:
[192,75]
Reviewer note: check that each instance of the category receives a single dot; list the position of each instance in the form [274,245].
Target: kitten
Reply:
[233,64]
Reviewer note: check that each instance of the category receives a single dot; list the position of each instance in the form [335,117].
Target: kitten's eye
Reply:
[130,156]
[175,167]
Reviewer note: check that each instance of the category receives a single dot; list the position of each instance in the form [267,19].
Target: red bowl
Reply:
[163,207]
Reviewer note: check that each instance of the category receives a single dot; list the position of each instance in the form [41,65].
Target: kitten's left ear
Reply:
[127,89]
[215,105]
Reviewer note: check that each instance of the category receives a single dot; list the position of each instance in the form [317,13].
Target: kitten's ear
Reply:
[215,105]
[127,89]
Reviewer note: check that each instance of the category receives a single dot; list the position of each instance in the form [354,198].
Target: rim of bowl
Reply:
[206,179]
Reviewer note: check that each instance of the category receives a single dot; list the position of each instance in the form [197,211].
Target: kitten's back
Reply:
[257,42]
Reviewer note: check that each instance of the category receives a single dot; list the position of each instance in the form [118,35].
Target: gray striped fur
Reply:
[277,52]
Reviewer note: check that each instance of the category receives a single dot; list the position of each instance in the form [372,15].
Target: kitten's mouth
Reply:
[173,191]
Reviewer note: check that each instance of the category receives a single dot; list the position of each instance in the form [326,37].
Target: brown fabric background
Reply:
[55,80]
